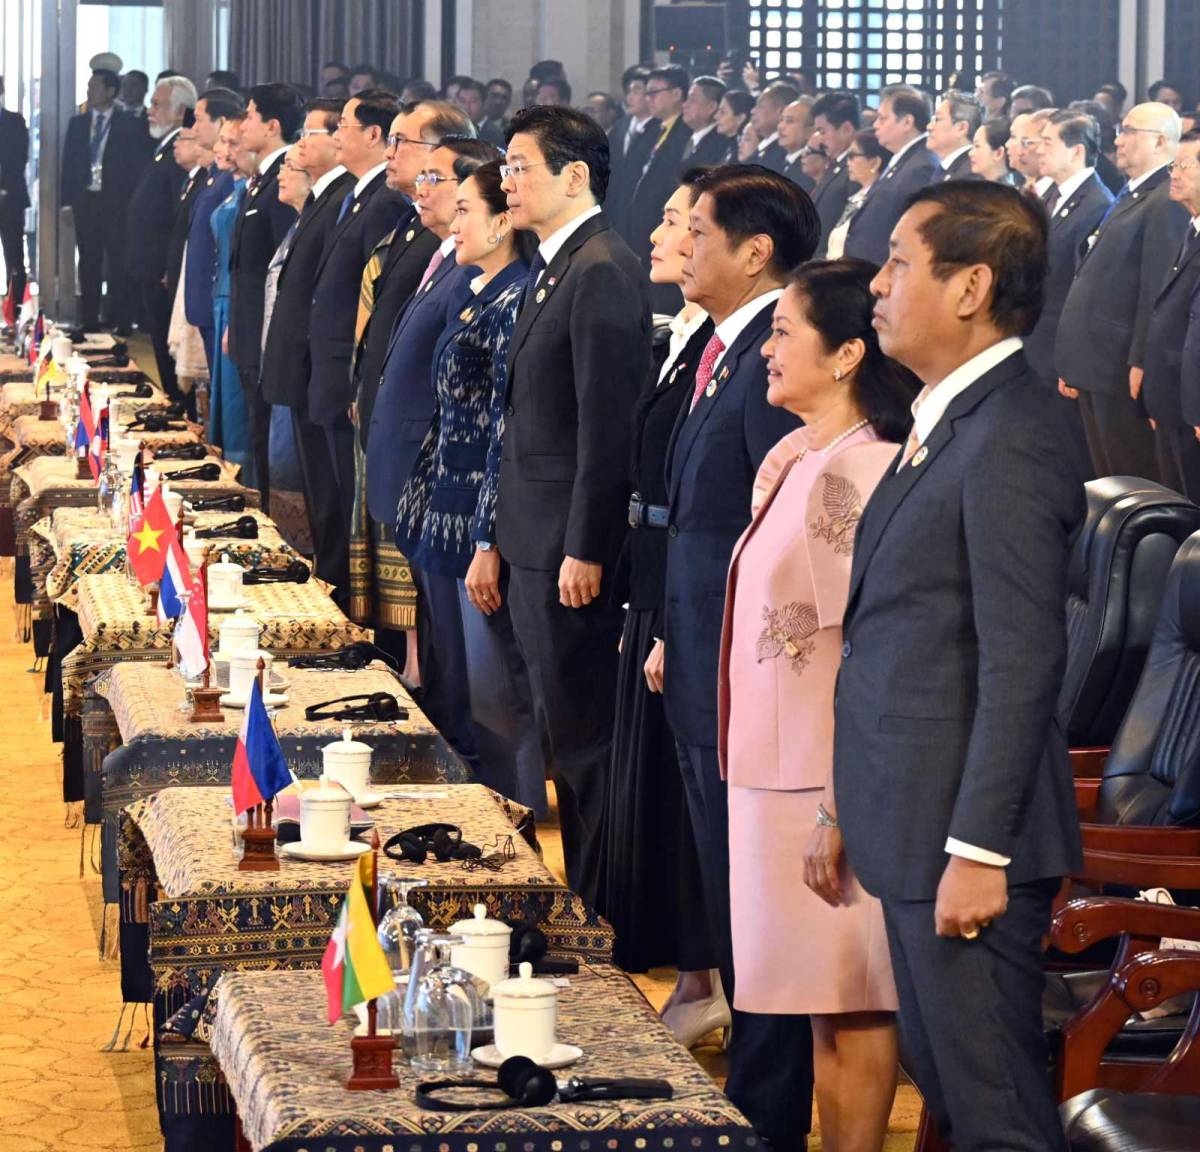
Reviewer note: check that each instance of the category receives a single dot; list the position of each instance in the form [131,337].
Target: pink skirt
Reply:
[792,952]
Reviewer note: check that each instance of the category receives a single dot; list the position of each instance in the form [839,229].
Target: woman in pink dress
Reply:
[819,949]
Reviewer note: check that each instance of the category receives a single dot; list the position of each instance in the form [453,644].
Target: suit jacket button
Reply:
[510,411]
[847,648]
[673,530]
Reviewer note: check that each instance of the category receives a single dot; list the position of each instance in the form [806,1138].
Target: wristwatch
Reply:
[485,546]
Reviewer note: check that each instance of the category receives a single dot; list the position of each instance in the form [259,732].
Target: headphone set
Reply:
[352,658]
[529,1085]
[243,528]
[445,841]
[157,422]
[365,706]
[140,391]
[235,502]
[294,572]
[182,452]
[208,471]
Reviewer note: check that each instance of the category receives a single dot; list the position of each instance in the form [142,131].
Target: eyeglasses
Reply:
[306,132]
[344,124]
[396,139]
[433,179]
[1029,141]
[1183,165]
[856,155]
[517,171]
[656,91]
[1125,129]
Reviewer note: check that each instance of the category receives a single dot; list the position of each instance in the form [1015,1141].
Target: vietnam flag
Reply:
[147,547]
[354,966]
[259,768]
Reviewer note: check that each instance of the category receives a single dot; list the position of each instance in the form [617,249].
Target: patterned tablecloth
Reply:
[82,542]
[18,398]
[286,1069]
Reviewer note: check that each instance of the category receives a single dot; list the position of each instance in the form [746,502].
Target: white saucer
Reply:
[370,799]
[233,606]
[271,700]
[560,1056]
[297,850]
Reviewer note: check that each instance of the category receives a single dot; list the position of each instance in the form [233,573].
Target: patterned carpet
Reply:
[59,1003]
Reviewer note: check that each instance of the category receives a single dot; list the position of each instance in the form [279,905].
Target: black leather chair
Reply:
[1106,1121]
[1115,580]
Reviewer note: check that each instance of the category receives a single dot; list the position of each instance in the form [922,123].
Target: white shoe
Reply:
[692,1021]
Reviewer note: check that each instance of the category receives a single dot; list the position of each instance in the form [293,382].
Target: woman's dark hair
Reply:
[741,104]
[566,135]
[978,222]
[866,142]
[837,301]
[488,179]
[996,132]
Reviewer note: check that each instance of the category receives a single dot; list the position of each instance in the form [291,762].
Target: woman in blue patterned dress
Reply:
[446,517]
[227,426]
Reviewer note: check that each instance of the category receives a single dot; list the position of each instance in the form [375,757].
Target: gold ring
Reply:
[972,935]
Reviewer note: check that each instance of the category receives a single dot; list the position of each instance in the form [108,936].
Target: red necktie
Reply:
[435,262]
[704,370]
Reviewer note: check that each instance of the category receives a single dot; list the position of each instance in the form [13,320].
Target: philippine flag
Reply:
[259,768]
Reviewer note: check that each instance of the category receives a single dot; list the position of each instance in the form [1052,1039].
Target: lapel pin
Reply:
[211,181]
[467,314]
[711,390]
[551,281]
[253,191]
[541,295]
[410,234]
[724,375]
[919,456]
[355,209]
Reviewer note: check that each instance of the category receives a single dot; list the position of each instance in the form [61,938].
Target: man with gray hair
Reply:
[1100,348]
[951,133]
[151,217]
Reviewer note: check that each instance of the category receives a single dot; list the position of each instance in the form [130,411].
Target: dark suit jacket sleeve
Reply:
[1164,235]
[1021,504]
[608,367]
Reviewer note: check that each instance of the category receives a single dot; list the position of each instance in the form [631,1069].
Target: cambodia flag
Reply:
[259,769]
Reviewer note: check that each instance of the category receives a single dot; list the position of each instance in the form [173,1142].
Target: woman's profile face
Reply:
[666,260]
[799,370]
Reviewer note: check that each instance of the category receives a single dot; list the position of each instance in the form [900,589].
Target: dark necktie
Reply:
[536,268]
[98,132]
[1051,199]
[1123,195]
[1188,247]
[347,200]
[253,183]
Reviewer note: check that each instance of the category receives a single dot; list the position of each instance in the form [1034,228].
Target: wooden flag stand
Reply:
[372,1053]
[48,410]
[206,708]
[258,838]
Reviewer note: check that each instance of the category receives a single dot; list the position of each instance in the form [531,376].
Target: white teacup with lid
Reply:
[237,632]
[325,817]
[243,667]
[525,1012]
[484,950]
[348,762]
[225,583]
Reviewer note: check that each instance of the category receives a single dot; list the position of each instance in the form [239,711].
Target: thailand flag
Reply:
[176,577]
[259,768]
[191,633]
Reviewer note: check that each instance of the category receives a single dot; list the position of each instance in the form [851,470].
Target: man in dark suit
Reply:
[951,779]
[403,413]
[706,146]
[1076,203]
[835,120]
[1174,436]
[952,131]
[666,89]
[1100,348]
[273,115]
[900,128]
[286,363]
[795,129]
[151,217]
[472,99]
[750,227]
[629,143]
[496,102]
[369,211]
[104,153]
[575,363]
[213,108]
[14,199]
[765,114]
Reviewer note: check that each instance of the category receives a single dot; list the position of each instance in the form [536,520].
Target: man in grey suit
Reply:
[900,128]
[1101,344]
[951,131]
[953,788]
[835,120]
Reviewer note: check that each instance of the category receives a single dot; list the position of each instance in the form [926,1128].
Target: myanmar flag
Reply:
[354,966]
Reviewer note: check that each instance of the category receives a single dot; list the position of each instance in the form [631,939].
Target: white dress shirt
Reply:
[765,144]
[681,332]
[1071,185]
[907,147]
[1134,185]
[552,245]
[366,179]
[927,409]
[1042,185]
[323,182]
[735,324]
[948,162]
[270,158]
[699,135]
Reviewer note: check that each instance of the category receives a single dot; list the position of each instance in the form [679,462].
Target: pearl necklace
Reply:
[836,440]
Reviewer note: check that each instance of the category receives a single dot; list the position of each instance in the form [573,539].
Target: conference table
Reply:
[187,908]
[286,1069]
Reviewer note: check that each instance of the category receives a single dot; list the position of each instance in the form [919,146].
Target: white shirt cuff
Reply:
[979,855]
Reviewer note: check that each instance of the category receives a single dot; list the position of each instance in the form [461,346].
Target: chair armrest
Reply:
[1140,869]
[1141,839]
[1087,763]
[1079,924]
[1087,793]
[1143,982]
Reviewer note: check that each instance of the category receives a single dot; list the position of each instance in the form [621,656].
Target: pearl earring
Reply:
[837,373]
